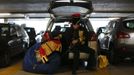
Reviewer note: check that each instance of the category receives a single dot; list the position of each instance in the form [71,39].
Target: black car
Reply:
[31,33]
[100,30]
[13,40]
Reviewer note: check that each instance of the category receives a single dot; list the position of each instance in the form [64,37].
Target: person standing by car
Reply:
[78,37]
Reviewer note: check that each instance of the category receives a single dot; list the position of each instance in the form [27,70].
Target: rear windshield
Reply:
[63,26]
[4,30]
[129,24]
[68,10]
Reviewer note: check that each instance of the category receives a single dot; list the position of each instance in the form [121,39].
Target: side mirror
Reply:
[66,25]
[37,34]
[106,33]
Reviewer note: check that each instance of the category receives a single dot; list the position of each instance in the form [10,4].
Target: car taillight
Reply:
[121,35]
[93,36]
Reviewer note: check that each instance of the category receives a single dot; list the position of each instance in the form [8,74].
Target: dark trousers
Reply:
[82,48]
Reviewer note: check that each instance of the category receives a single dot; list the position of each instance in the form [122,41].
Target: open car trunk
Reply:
[63,11]
[68,7]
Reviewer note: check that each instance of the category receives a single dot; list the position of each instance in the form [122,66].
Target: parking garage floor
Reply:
[124,68]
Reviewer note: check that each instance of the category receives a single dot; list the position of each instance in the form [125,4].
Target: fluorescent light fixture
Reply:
[26,16]
[112,18]
[63,1]
[93,13]
[70,0]
[5,13]
[80,1]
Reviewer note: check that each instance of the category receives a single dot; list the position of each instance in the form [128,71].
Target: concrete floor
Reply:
[125,68]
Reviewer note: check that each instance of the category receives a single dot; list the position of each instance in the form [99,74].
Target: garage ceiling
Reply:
[102,8]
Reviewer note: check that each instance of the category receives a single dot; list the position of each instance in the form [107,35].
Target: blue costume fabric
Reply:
[31,65]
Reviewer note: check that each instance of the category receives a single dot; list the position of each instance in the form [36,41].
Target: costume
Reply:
[77,38]
[43,57]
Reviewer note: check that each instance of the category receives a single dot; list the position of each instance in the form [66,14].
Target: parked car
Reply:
[61,14]
[100,39]
[39,36]
[100,30]
[13,40]
[62,17]
[31,33]
[118,40]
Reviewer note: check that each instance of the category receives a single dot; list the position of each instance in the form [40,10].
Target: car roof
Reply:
[8,24]
[127,19]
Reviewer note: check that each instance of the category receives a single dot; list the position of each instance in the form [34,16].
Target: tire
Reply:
[98,48]
[113,56]
[5,61]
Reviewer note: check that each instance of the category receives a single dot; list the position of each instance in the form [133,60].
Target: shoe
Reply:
[74,73]
[91,68]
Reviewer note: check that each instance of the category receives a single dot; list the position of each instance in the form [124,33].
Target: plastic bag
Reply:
[102,61]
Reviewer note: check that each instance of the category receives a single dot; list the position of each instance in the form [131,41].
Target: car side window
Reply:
[107,28]
[13,31]
[114,24]
[110,26]
[19,31]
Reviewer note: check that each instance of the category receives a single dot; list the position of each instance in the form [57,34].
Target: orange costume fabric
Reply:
[48,48]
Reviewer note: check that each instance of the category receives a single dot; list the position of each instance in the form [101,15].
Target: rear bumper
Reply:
[125,50]
[3,47]
[93,45]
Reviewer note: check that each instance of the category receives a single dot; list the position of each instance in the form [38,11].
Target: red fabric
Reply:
[46,36]
[42,52]
[76,15]
[56,41]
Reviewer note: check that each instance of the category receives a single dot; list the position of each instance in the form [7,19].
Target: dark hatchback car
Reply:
[118,40]
[100,30]
[13,40]
[62,12]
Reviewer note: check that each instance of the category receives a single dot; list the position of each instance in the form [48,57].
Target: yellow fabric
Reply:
[44,59]
[49,47]
[54,46]
[81,36]
[102,61]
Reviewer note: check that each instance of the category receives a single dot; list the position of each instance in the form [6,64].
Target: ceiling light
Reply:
[26,16]
[63,1]
[93,13]
[112,18]
[5,13]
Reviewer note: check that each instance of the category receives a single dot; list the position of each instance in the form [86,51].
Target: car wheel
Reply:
[25,46]
[113,56]
[98,48]
[5,60]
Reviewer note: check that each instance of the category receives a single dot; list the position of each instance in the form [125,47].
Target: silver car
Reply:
[118,40]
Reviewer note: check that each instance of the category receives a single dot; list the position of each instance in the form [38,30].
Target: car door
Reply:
[101,37]
[15,42]
[109,34]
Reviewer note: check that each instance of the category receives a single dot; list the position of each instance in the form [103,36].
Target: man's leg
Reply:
[75,59]
[92,59]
